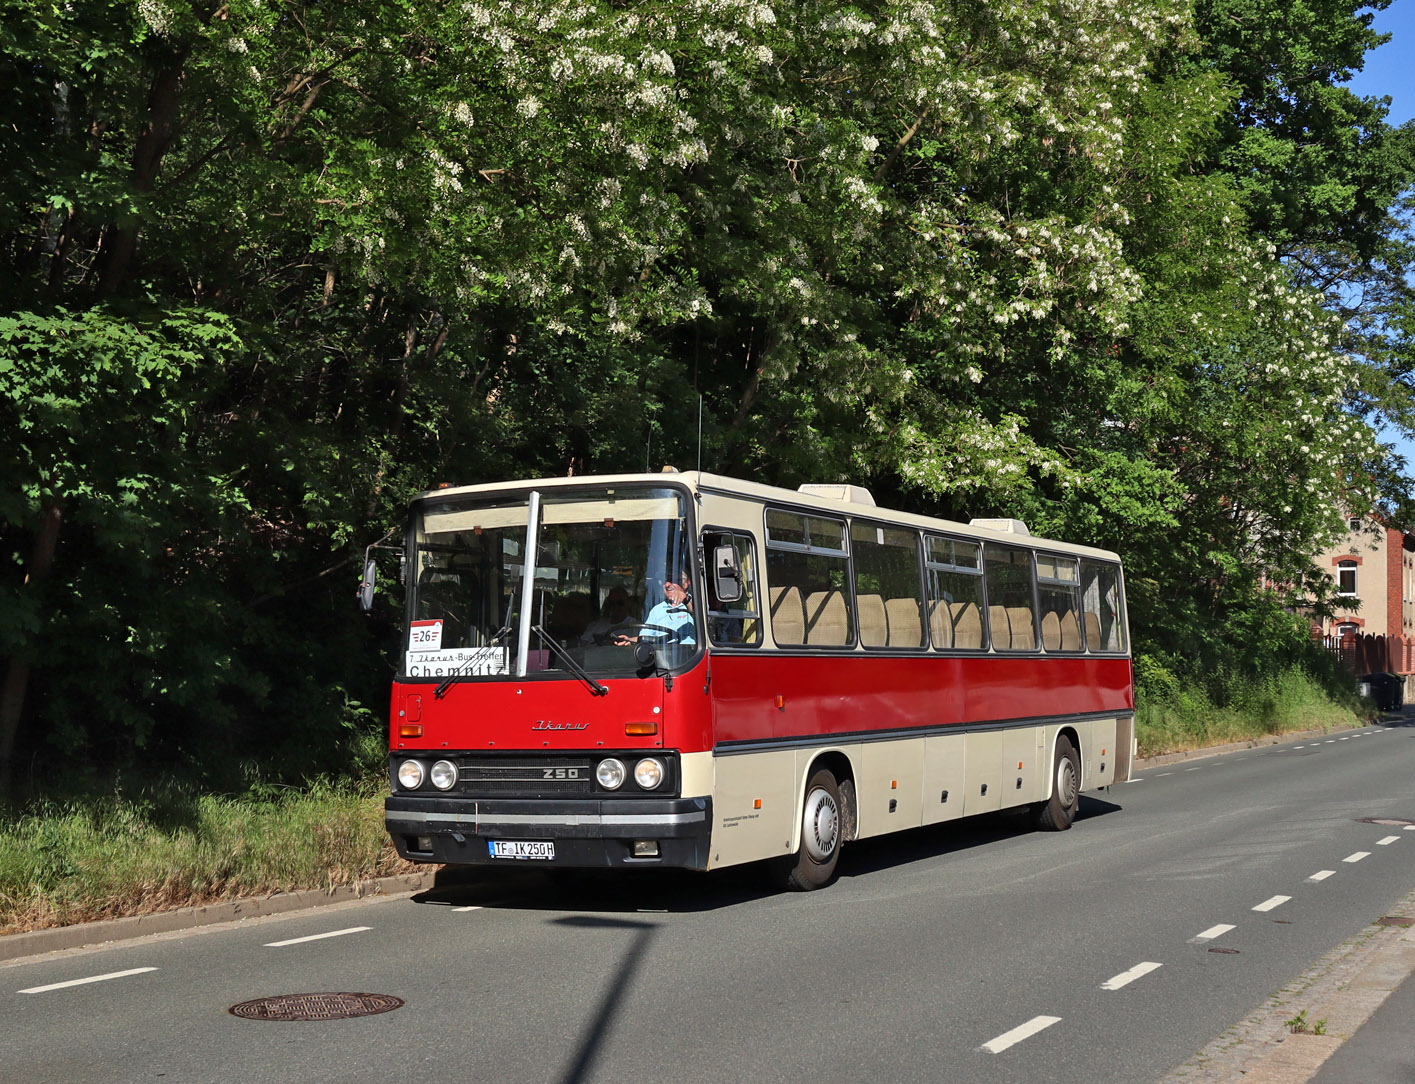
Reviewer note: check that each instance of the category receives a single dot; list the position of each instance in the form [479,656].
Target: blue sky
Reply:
[1389,72]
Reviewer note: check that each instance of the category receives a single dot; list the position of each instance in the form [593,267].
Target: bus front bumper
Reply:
[584,833]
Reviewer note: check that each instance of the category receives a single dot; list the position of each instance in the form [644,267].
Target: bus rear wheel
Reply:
[822,821]
[1057,812]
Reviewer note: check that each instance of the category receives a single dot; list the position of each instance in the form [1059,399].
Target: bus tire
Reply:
[822,822]
[1058,811]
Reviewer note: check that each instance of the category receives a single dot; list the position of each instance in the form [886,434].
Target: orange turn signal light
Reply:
[640,729]
[410,730]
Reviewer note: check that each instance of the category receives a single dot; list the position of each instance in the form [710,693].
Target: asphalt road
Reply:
[975,952]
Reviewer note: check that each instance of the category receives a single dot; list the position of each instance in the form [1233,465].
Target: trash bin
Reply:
[1387,690]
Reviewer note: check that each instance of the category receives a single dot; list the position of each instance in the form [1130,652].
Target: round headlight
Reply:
[410,775]
[610,773]
[443,775]
[648,773]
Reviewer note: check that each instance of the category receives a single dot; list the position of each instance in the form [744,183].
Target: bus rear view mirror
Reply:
[726,574]
[367,586]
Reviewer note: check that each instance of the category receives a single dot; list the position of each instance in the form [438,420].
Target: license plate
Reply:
[520,848]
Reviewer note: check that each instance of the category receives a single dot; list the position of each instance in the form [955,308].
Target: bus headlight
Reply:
[443,775]
[610,773]
[410,775]
[648,773]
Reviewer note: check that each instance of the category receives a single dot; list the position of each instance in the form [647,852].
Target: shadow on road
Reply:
[684,891]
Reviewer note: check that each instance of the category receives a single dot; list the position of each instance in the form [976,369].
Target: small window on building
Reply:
[1346,578]
[1354,523]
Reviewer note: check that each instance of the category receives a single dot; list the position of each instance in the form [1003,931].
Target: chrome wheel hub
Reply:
[820,827]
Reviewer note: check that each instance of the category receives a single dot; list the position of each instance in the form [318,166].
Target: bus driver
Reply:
[673,616]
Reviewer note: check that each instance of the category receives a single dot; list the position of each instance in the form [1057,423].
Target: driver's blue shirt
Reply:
[677,618]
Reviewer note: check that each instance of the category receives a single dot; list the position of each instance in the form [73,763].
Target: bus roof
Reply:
[1004,531]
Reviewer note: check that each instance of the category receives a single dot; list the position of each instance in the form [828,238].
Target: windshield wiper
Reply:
[569,660]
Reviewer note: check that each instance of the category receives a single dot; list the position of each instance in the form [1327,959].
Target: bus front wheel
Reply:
[1057,812]
[822,821]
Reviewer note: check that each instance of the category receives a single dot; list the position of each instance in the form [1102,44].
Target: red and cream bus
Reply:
[695,671]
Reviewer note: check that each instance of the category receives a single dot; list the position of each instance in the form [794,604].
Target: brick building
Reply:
[1374,569]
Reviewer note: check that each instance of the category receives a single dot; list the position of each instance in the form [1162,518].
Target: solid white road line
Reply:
[85,982]
[1269,904]
[1211,933]
[1357,856]
[1387,841]
[1125,978]
[1017,1034]
[1322,875]
[317,936]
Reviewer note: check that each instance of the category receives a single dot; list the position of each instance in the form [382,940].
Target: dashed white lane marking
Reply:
[1331,741]
[1191,769]
[1322,875]
[1125,978]
[1163,774]
[474,907]
[1387,841]
[1211,933]
[1347,738]
[317,936]
[1017,1034]
[1357,856]
[1410,827]
[1269,904]
[85,982]
[1297,747]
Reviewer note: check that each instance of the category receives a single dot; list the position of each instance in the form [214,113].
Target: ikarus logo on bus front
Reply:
[546,724]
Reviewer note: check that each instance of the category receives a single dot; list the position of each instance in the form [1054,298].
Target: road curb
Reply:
[16,946]
[1341,991]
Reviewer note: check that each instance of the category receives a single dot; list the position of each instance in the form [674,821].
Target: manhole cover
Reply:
[1388,822]
[315,1006]
[1395,920]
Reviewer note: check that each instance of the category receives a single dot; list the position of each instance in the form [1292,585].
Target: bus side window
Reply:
[1010,607]
[955,582]
[888,591]
[807,570]
[1058,588]
[1102,606]
[737,623]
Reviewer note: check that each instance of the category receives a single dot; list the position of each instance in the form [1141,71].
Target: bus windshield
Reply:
[610,570]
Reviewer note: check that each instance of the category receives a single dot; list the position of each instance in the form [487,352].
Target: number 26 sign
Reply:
[425,636]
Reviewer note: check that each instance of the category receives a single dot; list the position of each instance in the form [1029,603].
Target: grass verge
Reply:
[1171,717]
[87,859]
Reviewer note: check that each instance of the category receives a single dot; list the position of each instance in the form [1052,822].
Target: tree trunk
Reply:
[12,693]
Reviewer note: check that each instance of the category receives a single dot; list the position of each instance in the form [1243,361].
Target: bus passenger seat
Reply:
[906,629]
[1024,633]
[1051,632]
[967,625]
[941,624]
[874,624]
[827,619]
[788,619]
[1001,631]
[1094,640]
[1070,632]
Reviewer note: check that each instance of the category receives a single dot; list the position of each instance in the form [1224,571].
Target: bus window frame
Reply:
[761,616]
[807,549]
[922,584]
[978,545]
